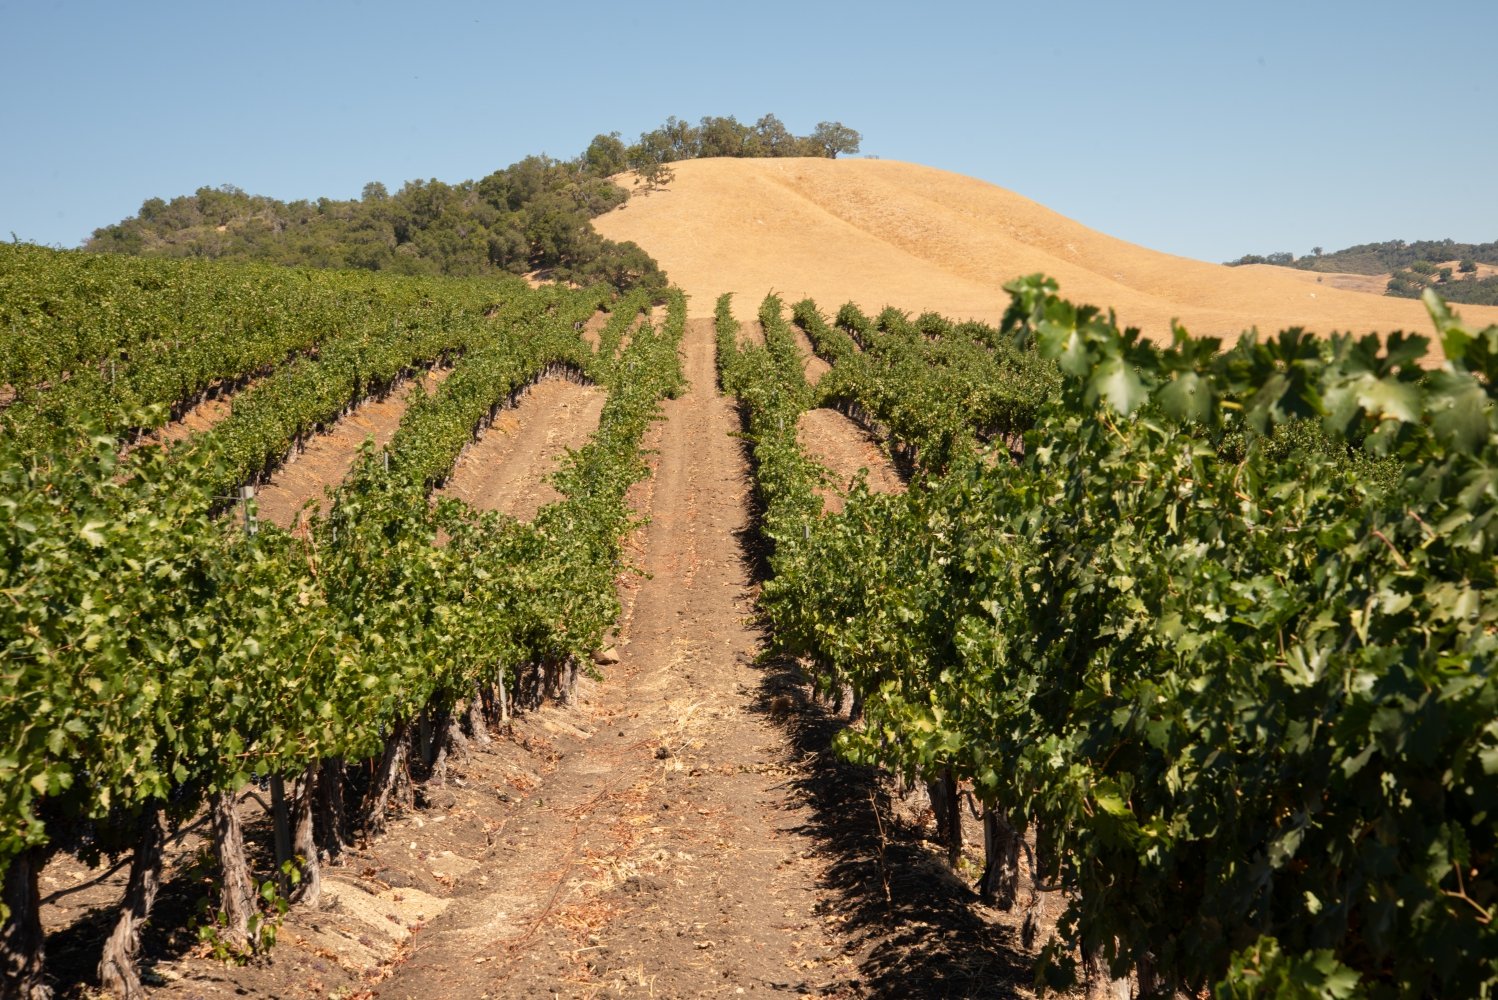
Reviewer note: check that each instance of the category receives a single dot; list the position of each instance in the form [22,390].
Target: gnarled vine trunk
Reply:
[478,723]
[1001,848]
[237,895]
[447,738]
[332,821]
[391,772]
[21,934]
[304,841]
[947,805]
[1099,982]
[117,968]
[281,821]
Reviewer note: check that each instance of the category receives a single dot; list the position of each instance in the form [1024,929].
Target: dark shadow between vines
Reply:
[914,928]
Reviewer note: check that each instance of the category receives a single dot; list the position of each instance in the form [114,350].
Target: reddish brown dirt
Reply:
[667,860]
[845,449]
[327,458]
[812,366]
[203,417]
[509,468]
[752,332]
[594,326]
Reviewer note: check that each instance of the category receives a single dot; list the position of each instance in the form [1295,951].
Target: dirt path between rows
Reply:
[509,468]
[669,858]
[845,449]
[204,415]
[327,458]
[812,366]
[593,327]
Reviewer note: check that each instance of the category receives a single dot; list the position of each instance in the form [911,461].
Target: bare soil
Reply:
[204,415]
[509,468]
[664,861]
[812,366]
[845,449]
[593,327]
[752,332]
[326,459]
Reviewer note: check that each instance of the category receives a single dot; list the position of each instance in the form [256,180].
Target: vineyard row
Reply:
[158,658]
[1208,633]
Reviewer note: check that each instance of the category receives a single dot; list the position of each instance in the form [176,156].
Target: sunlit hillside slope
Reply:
[883,233]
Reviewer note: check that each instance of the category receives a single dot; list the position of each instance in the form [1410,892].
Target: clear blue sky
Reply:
[1203,128]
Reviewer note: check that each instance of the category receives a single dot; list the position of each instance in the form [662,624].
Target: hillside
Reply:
[881,233]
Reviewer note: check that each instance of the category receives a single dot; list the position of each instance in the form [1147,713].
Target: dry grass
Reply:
[882,233]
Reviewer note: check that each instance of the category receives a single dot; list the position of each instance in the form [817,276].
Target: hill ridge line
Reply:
[885,232]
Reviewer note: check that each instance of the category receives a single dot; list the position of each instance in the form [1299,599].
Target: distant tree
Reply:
[623,265]
[1405,284]
[1423,267]
[834,138]
[722,137]
[217,206]
[1467,266]
[656,175]
[653,148]
[606,155]
[1445,274]
[675,140]
[374,191]
[1316,251]
[772,138]
[596,195]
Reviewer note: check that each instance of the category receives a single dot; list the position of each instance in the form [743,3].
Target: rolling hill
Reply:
[881,233]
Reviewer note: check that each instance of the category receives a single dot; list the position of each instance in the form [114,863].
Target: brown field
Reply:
[881,233]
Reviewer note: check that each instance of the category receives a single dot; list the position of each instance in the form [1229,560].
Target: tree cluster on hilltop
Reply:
[1412,267]
[532,215]
[711,136]
[677,140]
